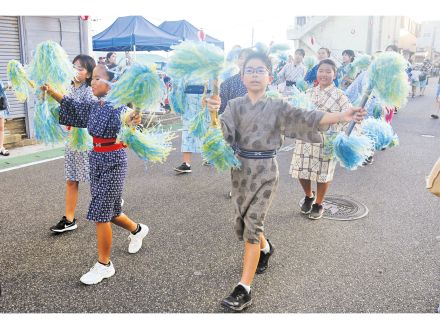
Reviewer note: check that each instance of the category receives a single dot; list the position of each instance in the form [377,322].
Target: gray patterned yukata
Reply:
[261,127]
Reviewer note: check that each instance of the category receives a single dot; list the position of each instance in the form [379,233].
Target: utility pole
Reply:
[369,44]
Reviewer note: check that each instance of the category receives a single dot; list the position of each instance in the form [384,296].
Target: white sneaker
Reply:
[136,239]
[97,273]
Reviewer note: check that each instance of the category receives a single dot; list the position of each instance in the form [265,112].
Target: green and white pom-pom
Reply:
[151,145]
[302,101]
[139,85]
[79,139]
[329,145]
[302,86]
[19,79]
[51,65]
[360,63]
[309,62]
[47,127]
[388,79]
[199,125]
[273,94]
[216,151]
[195,61]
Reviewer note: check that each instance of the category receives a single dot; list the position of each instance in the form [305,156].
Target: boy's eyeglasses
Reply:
[258,70]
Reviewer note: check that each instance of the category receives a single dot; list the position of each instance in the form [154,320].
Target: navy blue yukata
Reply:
[107,169]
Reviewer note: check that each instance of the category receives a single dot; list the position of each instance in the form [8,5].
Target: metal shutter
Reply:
[10,49]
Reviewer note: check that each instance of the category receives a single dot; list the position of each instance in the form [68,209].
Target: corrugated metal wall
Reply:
[10,49]
[64,30]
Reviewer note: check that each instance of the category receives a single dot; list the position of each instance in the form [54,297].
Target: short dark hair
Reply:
[300,51]
[329,62]
[245,52]
[393,48]
[327,50]
[110,74]
[109,55]
[262,57]
[88,63]
[350,54]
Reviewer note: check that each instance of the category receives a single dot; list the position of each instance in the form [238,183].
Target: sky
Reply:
[229,21]
[237,31]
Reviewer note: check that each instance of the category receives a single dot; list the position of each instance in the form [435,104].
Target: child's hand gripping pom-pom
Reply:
[150,145]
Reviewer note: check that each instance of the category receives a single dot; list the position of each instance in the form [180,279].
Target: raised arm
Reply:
[72,113]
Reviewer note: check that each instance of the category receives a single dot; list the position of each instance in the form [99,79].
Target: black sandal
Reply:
[4,152]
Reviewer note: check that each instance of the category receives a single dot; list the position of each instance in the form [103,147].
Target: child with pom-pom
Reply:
[309,163]
[255,125]
[108,167]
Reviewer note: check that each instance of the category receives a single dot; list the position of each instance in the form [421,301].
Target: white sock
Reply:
[267,248]
[248,288]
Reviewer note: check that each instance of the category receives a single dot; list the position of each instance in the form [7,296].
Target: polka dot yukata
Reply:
[76,163]
[261,127]
[107,169]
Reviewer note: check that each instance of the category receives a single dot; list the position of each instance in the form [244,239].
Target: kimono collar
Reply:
[328,88]
[261,99]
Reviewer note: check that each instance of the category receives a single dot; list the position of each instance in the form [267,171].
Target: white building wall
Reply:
[366,34]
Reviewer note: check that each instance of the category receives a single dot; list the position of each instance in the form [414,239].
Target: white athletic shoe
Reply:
[136,239]
[97,273]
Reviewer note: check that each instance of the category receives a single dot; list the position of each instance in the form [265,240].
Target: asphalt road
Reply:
[387,262]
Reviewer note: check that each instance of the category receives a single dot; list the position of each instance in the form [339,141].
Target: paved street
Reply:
[387,262]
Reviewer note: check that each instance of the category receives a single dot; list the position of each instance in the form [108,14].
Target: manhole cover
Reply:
[287,148]
[338,207]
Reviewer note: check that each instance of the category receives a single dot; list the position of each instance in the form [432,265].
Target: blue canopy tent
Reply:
[133,33]
[185,31]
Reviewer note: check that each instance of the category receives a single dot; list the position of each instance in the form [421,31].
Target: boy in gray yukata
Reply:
[255,126]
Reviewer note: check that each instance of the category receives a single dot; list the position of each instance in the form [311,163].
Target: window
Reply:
[301,20]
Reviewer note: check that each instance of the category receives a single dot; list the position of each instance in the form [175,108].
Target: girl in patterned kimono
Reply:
[76,163]
[309,162]
[108,167]
[255,125]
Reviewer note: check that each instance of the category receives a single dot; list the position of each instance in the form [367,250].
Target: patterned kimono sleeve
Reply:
[301,124]
[224,95]
[115,121]
[344,103]
[74,113]
[228,124]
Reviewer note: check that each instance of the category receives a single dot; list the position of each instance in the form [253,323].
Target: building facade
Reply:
[428,43]
[363,34]
[19,36]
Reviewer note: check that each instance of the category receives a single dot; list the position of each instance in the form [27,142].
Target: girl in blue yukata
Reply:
[108,167]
